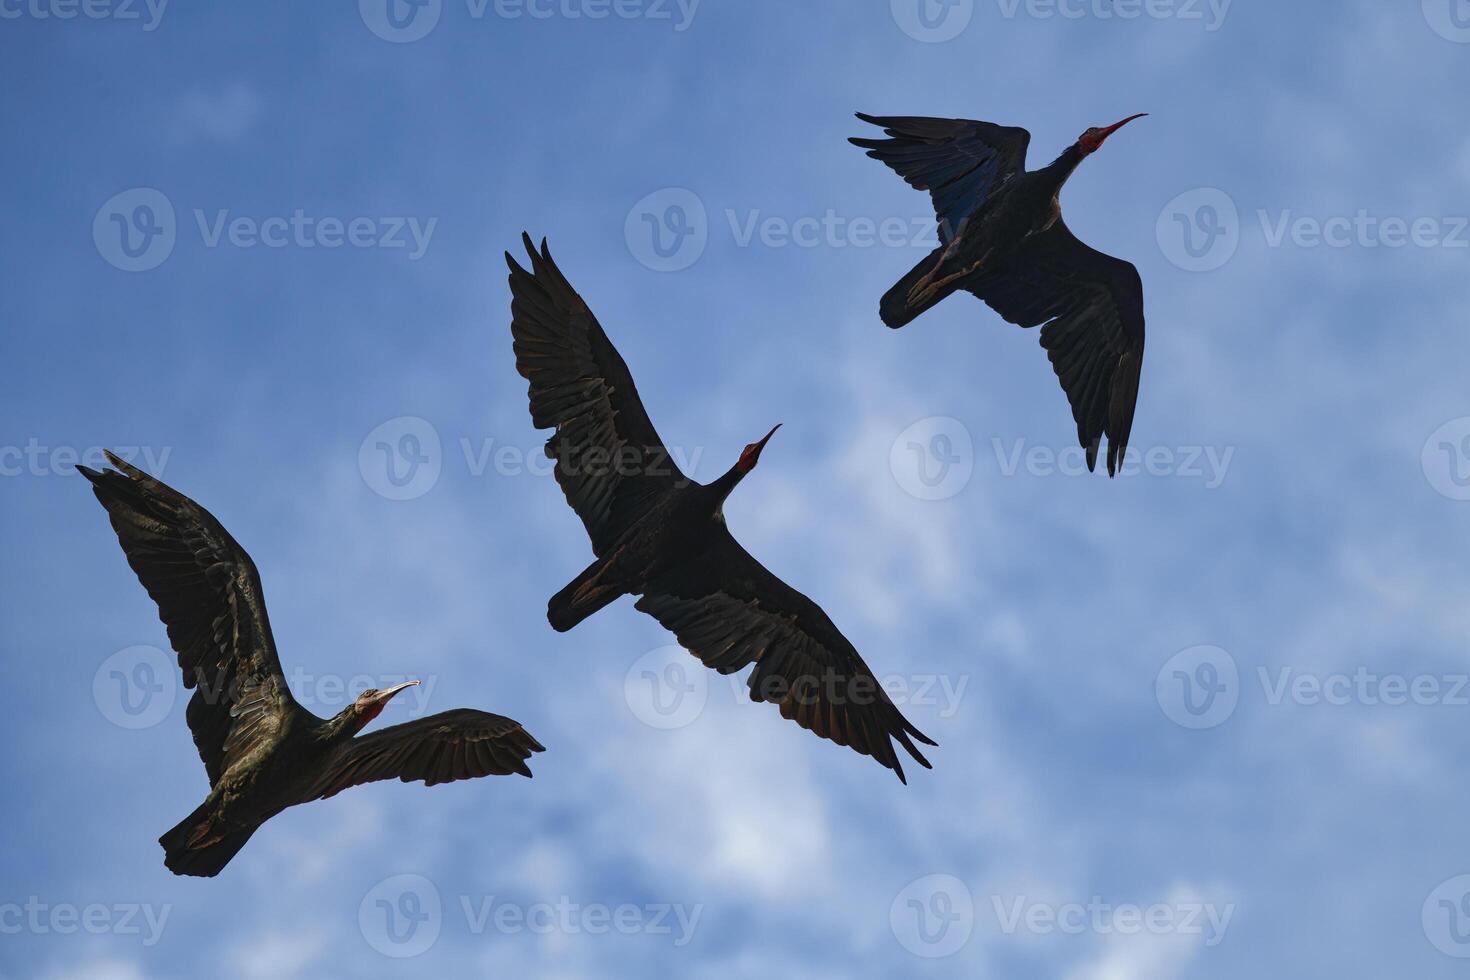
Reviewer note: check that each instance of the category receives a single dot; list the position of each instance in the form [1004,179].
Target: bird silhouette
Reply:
[262,750]
[660,535]
[1002,239]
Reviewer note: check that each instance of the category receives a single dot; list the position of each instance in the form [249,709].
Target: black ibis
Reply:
[1002,238]
[661,536]
[262,750]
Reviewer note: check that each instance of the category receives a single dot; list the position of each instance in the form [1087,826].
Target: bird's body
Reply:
[661,536]
[1002,239]
[264,752]
[680,530]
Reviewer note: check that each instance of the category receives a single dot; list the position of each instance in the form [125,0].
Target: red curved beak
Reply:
[762,444]
[1109,131]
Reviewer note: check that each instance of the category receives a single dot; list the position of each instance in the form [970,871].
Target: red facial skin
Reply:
[752,452]
[1091,140]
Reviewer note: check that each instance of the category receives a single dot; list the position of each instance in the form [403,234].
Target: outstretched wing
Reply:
[730,612]
[1092,308]
[958,161]
[610,462]
[209,598]
[459,744]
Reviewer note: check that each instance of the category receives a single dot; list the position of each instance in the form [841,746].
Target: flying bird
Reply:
[661,536]
[262,750]
[1002,238]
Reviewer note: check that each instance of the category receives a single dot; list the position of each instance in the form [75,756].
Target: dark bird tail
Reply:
[582,597]
[194,848]
[900,305]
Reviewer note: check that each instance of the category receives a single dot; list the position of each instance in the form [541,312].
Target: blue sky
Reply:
[1202,721]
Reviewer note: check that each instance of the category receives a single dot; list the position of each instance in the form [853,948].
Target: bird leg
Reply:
[924,290]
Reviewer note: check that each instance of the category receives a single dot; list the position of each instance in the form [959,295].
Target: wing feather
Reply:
[442,748]
[210,600]
[960,162]
[610,462]
[730,612]
[1089,306]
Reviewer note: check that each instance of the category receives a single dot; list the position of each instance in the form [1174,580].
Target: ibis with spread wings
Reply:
[262,750]
[1002,239]
[661,536]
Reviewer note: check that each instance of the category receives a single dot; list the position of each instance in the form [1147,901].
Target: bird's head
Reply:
[370,703]
[751,454]
[1090,141]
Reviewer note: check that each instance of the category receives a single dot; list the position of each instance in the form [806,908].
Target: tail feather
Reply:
[191,848]
[582,597]
[896,309]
